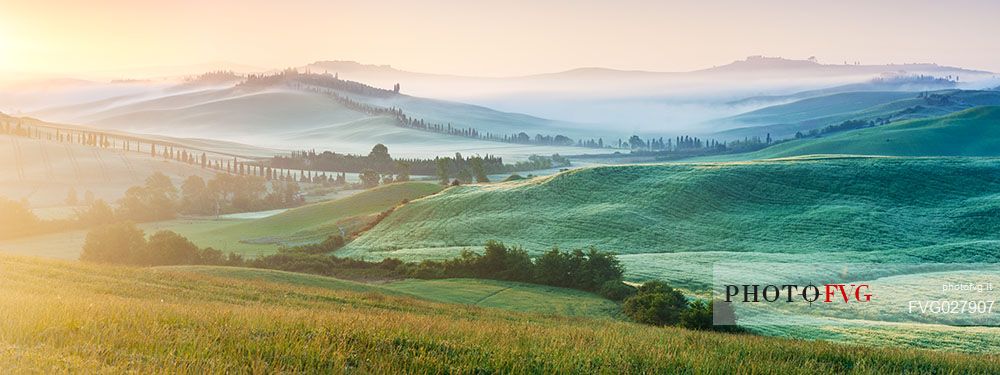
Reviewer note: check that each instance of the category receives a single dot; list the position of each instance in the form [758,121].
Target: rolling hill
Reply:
[889,83]
[763,66]
[972,132]
[44,172]
[181,322]
[307,224]
[759,67]
[297,112]
[783,121]
[819,107]
[793,206]
[39,167]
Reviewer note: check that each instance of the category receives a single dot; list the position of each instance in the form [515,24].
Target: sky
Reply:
[486,38]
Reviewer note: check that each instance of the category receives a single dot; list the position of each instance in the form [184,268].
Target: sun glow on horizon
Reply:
[5,44]
[477,38]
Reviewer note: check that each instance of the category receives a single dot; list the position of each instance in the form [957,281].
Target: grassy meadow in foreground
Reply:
[60,316]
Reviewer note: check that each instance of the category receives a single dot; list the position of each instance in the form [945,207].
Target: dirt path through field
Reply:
[488,296]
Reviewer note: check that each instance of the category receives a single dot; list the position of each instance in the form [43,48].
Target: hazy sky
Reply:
[491,38]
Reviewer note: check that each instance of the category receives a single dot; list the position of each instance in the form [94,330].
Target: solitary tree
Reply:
[379,152]
[169,248]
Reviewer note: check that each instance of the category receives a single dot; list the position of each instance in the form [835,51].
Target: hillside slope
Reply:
[898,83]
[306,224]
[817,107]
[973,132]
[294,112]
[43,172]
[783,121]
[506,295]
[801,206]
[274,117]
[177,322]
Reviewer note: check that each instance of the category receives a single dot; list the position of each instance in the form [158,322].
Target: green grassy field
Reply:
[782,121]
[473,292]
[692,271]
[509,296]
[794,206]
[972,132]
[252,237]
[669,221]
[306,224]
[71,317]
[819,107]
[67,245]
[673,222]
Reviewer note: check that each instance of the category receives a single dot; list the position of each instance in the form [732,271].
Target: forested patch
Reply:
[464,168]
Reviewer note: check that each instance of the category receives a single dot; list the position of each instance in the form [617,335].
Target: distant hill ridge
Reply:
[784,120]
[749,64]
[972,132]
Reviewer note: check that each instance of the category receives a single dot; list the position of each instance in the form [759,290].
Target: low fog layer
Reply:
[584,104]
[649,102]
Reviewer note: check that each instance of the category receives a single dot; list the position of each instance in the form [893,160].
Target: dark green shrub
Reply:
[169,248]
[120,243]
[616,290]
[698,316]
[656,304]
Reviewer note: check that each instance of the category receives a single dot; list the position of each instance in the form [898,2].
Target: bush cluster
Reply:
[124,243]
[658,304]
[593,270]
[315,259]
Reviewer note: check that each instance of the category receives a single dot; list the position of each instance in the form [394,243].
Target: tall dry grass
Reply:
[69,317]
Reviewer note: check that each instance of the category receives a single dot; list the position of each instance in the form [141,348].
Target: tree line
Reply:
[124,243]
[379,162]
[843,126]
[688,144]
[158,199]
[684,147]
[651,303]
[592,270]
[111,141]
